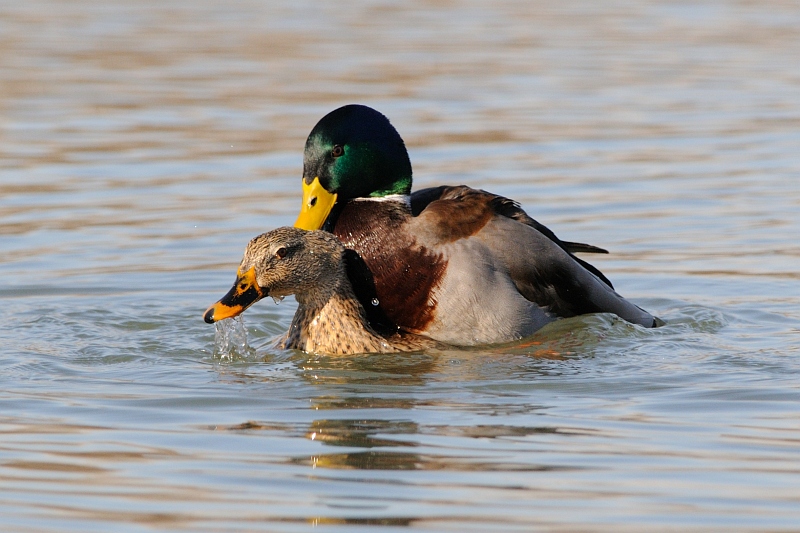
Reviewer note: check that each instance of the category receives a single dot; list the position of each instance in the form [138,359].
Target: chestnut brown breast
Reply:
[404,272]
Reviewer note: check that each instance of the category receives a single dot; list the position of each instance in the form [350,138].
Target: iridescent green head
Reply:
[352,152]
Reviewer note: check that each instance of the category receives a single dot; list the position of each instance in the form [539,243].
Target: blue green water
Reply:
[143,144]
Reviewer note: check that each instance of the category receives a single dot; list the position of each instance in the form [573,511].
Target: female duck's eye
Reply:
[337,151]
[281,253]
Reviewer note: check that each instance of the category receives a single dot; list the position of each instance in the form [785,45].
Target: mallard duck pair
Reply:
[451,263]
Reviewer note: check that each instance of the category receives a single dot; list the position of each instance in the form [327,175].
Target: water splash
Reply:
[230,340]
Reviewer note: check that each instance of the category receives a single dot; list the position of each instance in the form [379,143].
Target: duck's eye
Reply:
[337,151]
[280,253]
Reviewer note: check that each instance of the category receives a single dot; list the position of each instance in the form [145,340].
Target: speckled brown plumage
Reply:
[336,327]
[339,327]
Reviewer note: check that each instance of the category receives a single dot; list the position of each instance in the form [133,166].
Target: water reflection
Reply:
[361,433]
[380,522]
[378,369]
[399,402]
[392,460]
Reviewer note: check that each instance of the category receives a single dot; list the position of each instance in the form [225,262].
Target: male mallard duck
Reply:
[316,268]
[456,264]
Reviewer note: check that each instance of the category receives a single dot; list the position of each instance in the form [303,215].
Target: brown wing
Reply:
[506,207]
[479,242]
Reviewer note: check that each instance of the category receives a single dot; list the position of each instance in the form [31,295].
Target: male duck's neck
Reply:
[401,198]
[361,213]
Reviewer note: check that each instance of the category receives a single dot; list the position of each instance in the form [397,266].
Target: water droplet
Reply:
[230,340]
[375,301]
[277,299]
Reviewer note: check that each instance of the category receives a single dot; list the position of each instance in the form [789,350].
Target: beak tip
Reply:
[208,316]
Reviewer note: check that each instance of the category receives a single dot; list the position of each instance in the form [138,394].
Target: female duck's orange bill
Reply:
[244,293]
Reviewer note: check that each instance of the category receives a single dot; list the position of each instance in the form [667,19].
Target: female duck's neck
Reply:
[336,326]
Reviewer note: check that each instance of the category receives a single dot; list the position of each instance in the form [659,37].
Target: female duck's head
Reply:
[281,262]
[352,152]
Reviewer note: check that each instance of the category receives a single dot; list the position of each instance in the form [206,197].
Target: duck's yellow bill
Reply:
[244,293]
[317,205]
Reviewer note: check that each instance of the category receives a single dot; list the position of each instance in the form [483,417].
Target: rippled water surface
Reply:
[143,143]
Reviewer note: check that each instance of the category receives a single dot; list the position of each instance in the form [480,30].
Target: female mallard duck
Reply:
[316,268]
[456,264]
